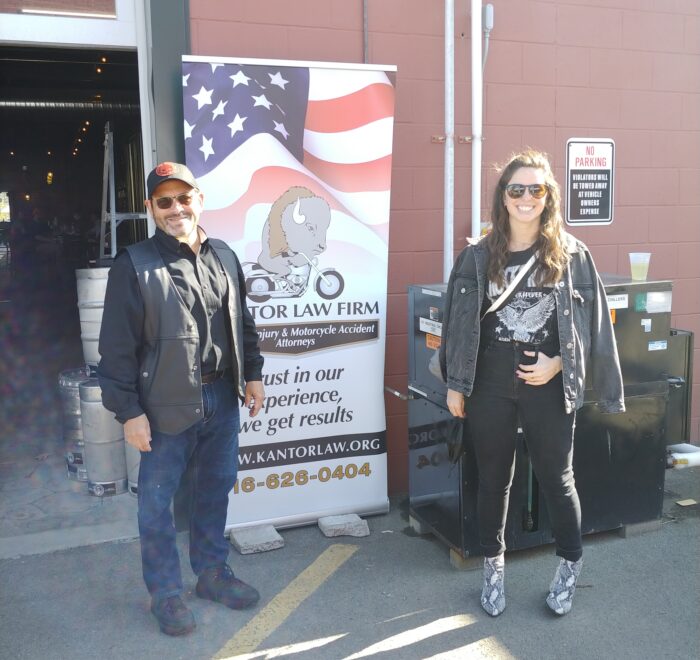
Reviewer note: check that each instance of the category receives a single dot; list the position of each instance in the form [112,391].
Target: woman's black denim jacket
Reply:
[586,335]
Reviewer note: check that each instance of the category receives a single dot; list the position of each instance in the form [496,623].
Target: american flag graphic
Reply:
[254,130]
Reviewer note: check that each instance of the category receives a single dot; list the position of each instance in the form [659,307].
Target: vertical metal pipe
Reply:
[477,119]
[112,197]
[449,192]
[142,20]
[365,33]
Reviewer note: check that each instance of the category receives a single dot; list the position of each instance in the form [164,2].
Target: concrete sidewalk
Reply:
[391,594]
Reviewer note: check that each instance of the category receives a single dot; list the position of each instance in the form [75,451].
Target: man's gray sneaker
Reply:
[222,586]
[174,617]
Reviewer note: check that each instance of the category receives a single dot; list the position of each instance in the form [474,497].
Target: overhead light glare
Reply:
[71,14]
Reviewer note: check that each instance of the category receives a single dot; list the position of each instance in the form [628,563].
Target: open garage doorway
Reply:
[54,106]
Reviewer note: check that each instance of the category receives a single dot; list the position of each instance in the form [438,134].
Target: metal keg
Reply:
[68,383]
[133,462]
[92,285]
[105,457]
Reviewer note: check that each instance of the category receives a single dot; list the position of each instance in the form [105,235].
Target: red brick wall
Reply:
[622,69]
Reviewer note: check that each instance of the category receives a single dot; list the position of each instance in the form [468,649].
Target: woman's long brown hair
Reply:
[550,244]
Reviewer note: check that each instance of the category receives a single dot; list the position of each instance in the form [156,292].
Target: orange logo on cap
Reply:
[165,169]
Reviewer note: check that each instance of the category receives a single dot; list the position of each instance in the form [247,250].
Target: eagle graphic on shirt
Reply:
[527,316]
[524,320]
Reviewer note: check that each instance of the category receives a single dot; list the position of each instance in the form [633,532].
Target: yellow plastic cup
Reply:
[639,265]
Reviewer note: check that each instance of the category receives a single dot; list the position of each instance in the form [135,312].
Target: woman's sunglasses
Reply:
[184,199]
[517,190]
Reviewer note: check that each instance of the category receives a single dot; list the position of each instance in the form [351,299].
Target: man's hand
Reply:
[455,402]
[137,432]
[254,396]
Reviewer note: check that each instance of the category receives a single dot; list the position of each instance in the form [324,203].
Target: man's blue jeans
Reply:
[212,446]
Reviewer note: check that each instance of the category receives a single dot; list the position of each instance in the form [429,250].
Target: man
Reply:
[179,348]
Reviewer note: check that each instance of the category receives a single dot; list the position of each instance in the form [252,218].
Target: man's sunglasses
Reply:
[184,199]
[517,190]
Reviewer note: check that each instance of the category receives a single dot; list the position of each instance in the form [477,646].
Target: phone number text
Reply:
[324,474]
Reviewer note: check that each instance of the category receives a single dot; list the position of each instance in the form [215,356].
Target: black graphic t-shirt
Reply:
[528,316]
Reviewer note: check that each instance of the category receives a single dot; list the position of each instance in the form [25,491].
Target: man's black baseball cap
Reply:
[165,172]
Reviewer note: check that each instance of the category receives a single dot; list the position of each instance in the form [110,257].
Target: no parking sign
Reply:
[590,168]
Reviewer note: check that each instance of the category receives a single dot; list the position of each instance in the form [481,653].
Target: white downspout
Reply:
[143,51]
[449,194]
[477,119]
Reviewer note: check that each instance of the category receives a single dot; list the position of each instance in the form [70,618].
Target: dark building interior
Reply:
[54,106]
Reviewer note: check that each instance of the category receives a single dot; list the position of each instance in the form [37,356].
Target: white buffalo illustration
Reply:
[295,230]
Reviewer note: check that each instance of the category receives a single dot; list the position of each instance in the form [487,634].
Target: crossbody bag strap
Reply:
[522,272]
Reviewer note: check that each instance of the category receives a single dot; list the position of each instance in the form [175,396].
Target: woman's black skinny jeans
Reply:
[498,401]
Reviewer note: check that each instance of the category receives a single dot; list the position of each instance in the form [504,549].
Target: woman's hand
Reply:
[542,371]
[455,402]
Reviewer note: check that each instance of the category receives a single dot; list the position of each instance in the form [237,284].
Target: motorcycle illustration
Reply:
[261,284]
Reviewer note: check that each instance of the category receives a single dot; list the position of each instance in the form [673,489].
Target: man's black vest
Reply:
[170,371]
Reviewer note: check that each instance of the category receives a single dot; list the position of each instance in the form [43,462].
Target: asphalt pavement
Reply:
[392,594]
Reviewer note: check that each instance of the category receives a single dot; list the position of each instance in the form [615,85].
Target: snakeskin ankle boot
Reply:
[493,595]
[561,591]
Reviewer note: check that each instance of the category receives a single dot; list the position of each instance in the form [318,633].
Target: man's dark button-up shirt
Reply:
[201,282]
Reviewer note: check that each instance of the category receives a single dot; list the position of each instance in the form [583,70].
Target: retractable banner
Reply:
[294,159]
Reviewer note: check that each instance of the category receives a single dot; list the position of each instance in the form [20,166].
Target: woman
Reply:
[521,359]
